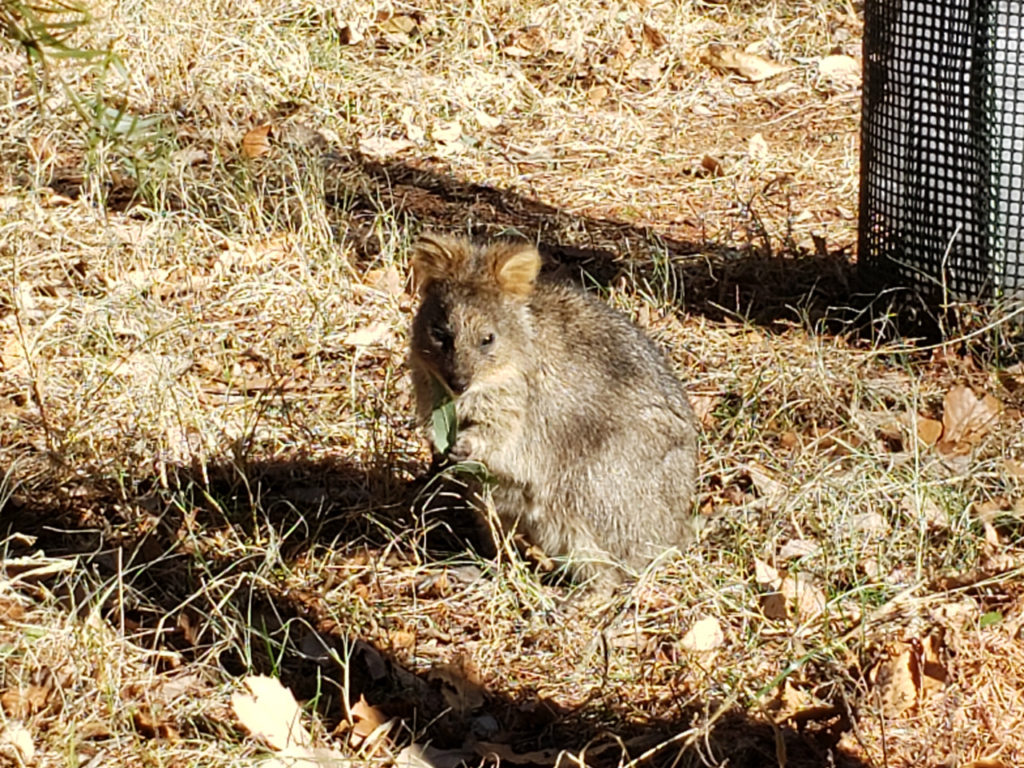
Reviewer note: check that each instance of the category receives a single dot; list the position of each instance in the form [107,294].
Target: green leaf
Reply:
[442,419]
[990,618]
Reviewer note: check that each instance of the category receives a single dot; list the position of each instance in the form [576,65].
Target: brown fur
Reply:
[569,405]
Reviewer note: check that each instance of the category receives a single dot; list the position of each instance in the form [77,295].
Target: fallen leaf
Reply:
[447,133]
[765,575]
[768,488]
[654,36]
[383,146]
[17,737]
[797,548]
[413,131]
[871,523]
[921,508]
[757,147]
[1014,468]
[352,32]
[368,336]
[530,41]
[22,703]
[805,598]
[503,753]
[460,685]
[257,141]
[749,66]
[911,673]
[14,357]
[428,756]
[705,635]
[397,29]
[840,68]
[712,166]
[928,430]
[270,713]
[368,724]
[596,95]
[704,407]
[486,121]
[644,70]
[798,704]
[966,418]
[150,727]
[773,606]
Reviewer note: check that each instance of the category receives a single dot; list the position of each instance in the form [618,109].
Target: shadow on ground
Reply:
[764,280]
[194,595]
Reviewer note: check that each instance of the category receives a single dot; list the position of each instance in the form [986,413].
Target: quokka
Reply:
[574,412]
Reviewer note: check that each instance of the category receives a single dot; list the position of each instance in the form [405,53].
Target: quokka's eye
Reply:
[440,333]
[487,340]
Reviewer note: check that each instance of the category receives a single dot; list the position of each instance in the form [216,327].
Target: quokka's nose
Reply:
[458,384]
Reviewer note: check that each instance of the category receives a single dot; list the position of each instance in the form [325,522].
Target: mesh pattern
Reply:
[942,145]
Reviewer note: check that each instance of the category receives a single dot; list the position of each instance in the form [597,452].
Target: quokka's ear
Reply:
[515,267]
[436,257]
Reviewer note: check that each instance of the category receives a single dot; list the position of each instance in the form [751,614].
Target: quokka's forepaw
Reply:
[466,448]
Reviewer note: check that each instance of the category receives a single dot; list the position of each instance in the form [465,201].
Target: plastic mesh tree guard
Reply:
[942,146]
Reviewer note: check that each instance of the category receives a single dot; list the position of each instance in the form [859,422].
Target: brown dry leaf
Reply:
[1014,468]
[428,756]
[460,685]
[704,407]
[705,635]
[256,142]
[894,680]
[596,95]
[447,133]
[986,762]
[505,754]
[925,509]
[768,488]
[928,430]
[749,66]
[757,147]
[369,724]
[16,743]
[399,28]
[270,713]
[773,606]
[797,548]
[14,357]
[654,36]
[644,70]
[841,69]
[793,703]
[10,611]
[806,599]
[352,32]
[912,672]
[711,166]
[966,418]
[150,727]
[21,703]
[382,146]
[368,336]
[531,41]
[765,575]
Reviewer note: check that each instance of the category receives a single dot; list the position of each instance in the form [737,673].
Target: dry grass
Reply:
[205,424]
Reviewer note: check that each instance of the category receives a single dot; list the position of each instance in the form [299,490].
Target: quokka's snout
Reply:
[573,410]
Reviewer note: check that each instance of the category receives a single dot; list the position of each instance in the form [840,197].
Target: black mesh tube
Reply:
[942,146]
